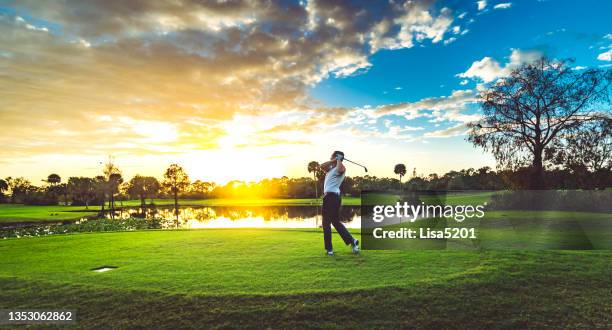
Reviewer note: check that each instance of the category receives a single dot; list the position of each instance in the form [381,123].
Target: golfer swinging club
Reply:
[335,172]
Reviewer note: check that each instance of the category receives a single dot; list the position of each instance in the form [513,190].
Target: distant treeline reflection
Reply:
[234,212]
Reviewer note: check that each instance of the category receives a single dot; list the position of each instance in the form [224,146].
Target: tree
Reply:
[3,188]
[589,147]
[19,187]
[531,110]
[53,179]
[143,187]
[63,190]
[82,190]
[400,169]
[200,189]
[315,168]
[175,180]
[114,181]
[100,187]
[54,189]
[587,150]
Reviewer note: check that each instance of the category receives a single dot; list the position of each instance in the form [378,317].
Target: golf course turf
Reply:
[281,278]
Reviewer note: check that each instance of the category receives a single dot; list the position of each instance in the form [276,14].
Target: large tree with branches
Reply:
[540,106]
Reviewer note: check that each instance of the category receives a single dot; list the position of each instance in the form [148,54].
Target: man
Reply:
[335,172]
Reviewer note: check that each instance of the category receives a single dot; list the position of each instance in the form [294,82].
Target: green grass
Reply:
[281,279]
[504,230]
[28,213]
[459,198]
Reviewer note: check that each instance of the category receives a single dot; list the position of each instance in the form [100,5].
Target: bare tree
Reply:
[532,109]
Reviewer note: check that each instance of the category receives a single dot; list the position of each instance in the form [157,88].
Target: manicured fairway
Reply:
[281,278]
[10,213]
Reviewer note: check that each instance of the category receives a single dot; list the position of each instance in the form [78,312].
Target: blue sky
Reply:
[279,83]
[558,28]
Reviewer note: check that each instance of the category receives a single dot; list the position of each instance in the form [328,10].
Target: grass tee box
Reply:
[476,220]
[265,278]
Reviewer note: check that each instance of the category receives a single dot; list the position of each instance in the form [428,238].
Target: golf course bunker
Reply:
[103,269]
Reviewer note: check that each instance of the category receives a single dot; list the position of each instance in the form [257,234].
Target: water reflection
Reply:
[239,216]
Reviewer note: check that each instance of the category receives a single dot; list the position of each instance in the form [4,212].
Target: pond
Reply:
[239,216]
[136,218]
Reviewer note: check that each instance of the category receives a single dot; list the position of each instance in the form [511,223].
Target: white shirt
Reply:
[333,180]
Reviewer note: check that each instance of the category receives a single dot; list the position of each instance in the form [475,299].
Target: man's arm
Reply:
[340,167]
[328,165]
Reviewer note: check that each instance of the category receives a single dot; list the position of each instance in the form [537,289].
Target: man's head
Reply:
[336,153]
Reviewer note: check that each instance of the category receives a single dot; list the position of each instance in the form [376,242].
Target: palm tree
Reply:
[54,188]
[53,179]
[400,169]
[314,168]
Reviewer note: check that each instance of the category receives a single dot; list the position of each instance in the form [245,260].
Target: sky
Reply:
[253,89]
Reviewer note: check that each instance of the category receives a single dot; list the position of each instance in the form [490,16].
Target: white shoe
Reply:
[330,253]
[355,246]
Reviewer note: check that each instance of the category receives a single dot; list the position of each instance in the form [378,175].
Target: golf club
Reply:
[365,168]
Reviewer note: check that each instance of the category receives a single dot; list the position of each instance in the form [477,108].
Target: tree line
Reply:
[109,188]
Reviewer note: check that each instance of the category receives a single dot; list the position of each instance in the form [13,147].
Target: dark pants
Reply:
[331,215]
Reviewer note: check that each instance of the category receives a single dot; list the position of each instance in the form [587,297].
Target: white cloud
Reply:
[605,56]
[463,82]
[84,43]
[505,5]
[438,109]
[421,25]
[488,69]
[482,4]
[456,130]
[22,22]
